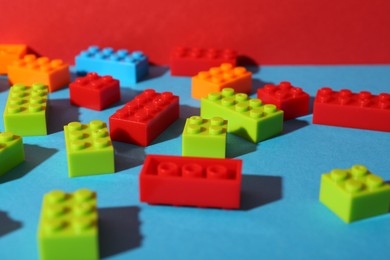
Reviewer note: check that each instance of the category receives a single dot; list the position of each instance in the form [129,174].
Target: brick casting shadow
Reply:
[119,230]
[8,225]
[259,190]
[4,84]
[34,155]
[311,104]
[155,72]
[237,146]
[128,156]
[60,113]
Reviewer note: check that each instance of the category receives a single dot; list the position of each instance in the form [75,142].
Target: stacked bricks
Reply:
[292,100]
[89,149]
[191,181]
[204,137]
[218,78]
[247,117]
[128,68]
[354,193]
[94,92]
[29,70]
[68,227]
[25,110]
[141,120]
[11,151]
[357,110]
[10,53]
[190,61]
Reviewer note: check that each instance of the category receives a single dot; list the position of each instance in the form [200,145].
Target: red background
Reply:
[268,31]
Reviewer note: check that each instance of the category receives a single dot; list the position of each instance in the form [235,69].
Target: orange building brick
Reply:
[53,73]
[10,53]
[218,78]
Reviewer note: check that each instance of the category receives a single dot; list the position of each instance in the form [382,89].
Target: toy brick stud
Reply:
[190,61]
[29,70]
[191,181]
[218,78]
[94,91]
[204,137]
[89,149]
[11,151]
[292,100]
[68,227]
[127,67]
[347,109]
[25,110]
[355,193]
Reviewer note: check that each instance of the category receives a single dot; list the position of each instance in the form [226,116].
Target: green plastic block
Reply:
[68,227]
[89,149]
[247,117]
[11,151]
[354,193]
[25,111]
[204,137]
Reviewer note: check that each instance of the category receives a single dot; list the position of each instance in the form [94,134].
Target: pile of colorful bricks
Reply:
[202,176]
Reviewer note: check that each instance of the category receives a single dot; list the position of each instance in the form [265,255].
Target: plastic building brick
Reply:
[128,68]
[357,110]
[355,193]
[141,120]
[190,61]
[10,53]
[204,137]
[89,149]
[52,73]
[247,117]
[68,227]
[25,111]
[94,92]
[292,100]
[191,181]
[11,151]
[218,78]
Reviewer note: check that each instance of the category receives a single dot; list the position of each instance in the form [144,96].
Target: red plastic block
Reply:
[190,61]
[344,108]
[94,92]
[191,181]
[141,120]
[292,100]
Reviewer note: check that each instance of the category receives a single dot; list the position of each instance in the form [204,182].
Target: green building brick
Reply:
[247,117]
[68,227]
[25,111]
[89,149]
[11,151]
[354,193]
[204,137]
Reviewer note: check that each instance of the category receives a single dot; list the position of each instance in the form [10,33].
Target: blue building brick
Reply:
[128,68]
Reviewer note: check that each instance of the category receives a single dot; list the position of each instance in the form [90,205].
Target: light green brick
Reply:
[204,137]
[89,149]
[247,117]
[68,227]
[25,111]
[354,193]
[11,151]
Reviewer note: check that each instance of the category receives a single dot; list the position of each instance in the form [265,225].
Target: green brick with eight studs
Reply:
[204,137]
[355,193]
[25,111]
[247,117]
[89,149]
[11,151]
[68,227]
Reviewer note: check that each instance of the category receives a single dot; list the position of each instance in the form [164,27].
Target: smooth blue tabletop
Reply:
[280,216]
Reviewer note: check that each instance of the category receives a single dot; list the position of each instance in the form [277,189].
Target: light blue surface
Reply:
[280,217]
